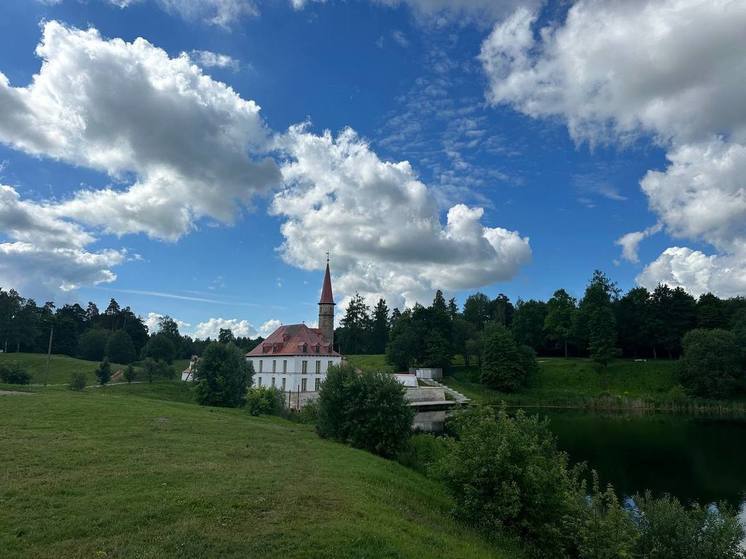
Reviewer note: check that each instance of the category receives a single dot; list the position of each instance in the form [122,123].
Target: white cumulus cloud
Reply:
[211,328]
[382,224]
[209,59]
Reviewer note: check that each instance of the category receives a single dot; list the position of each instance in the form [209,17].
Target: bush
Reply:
[309,413]
[422,452]
[711,366]
[103,372]
[506,474]
[92,344]
[160,348]
[505,366]
[120,348]
[14,374]
[222,376]
[668,530]
[265,400]
[156,369]
[77,381]
[368,411]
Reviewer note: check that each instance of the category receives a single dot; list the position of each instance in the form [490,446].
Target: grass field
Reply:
[61,367]
[373,363]
[119,472]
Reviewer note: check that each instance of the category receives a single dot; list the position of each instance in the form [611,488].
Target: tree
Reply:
[264,400]
[559,318]
[711,366]
[223,376]
[129,374]
[402,349]
[463,332]
[528,323]
[504,366]
[367,411]
[674,314]
[501,310]
[120,348]
[634,317]
[160,348]
[477,309]
[78,381]
[380,327]
[103,372]
[711,312]
[225,336]
[595,319]
[355,327]
[92,344]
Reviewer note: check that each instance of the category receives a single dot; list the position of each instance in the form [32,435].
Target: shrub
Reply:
[669,530]
[77,381]
[159,348]
[506,474]
[505,366]
[422,452]
[103,372]
[120,348]
[368,411]
[157,369]
[265,400]
[14,374]
[222,376]
[92,344]
[676,394]
[309,413]
[711,366]
[129,373]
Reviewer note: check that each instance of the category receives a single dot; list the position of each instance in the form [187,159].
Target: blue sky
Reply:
[410,81]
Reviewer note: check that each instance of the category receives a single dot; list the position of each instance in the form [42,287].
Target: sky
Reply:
[199,159]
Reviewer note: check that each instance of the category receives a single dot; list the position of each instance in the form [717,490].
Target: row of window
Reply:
[304,366]
[303,384]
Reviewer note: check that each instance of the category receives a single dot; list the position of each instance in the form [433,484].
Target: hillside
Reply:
[109,473]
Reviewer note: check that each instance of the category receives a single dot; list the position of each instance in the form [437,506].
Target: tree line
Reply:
[117,333]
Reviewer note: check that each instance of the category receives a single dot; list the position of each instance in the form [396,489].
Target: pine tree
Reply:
[103,373]
[380,329]
[558,322]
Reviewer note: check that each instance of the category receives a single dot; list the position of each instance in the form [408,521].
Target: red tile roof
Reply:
[294,339]
[326,291]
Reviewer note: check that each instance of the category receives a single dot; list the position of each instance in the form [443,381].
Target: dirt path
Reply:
[14,393]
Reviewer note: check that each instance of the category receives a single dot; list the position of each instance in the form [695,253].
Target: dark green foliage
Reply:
[223,376]
[225,336]
[505,366]
[528,323]
[265,400]
[711,312]
[12,373]
[157,369]
[558,321]
[77,381]
[103,372]
[92,344]
[595,323]
[635,322]
[712,365]
[160,347]
[423,452]
[368,411]
[129,373]
[506,474]
[120,348]
[379,328]
[674,313]
[669,530]
[477,310]
[355,327]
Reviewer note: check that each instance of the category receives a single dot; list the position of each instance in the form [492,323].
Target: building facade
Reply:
[296,358]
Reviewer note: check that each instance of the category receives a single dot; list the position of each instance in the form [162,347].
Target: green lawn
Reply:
[117,472]
[566,380]
[373,363]
[61,367]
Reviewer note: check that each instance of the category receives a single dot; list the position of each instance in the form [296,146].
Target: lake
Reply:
[693,458]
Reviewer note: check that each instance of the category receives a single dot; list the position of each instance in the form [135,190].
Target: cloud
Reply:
[194,147]
[630,242]
[400,38]
[616,71]
[382,224]
[46,253]
[268,327]
[209,59]
[480,12]
[211,328]
[152,321]
[222,13]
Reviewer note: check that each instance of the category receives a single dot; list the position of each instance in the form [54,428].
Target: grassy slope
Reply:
[108,473]
[370,362]
[567,380]
[60,366]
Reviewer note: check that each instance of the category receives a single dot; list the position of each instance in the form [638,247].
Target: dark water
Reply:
[692,458]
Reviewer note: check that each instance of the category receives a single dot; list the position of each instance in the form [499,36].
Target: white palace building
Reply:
[295,358]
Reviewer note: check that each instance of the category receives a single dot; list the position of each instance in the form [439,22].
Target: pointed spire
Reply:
[326,291]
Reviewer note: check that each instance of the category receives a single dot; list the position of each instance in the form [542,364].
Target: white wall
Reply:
[293,377]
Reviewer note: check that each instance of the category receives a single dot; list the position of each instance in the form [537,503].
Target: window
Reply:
[317,384]
[284,365]
[283,383]
[303,384]
[274,365]
[273,382]
[329,365]
[318,367]
[260,381]
[261,362]
[304,366]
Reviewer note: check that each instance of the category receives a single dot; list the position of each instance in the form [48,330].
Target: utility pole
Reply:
[49,353]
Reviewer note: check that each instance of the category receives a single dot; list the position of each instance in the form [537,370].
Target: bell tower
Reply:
[326,307]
